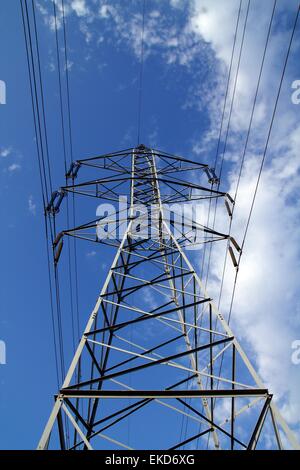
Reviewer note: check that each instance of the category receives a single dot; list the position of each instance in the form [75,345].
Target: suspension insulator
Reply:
[50,206]
[213,177]
[230,198]
[55,202]
[57,253]
[233,258]
[60,196]
[73,170]
[207,173]
[228,208]
[235,244]
[57,239]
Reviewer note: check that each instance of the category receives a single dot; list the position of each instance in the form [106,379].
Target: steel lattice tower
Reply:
[156,350]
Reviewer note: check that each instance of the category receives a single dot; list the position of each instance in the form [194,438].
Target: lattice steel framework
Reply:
[156,350]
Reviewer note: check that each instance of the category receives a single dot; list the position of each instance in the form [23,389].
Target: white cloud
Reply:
[91,254]
[204,21]
[84,28]
[176,3]
[104,11]
[266,310]
[14,167]
[161,33]
[80,7]
[5,151]
[48,15]
[69,65]
[31,205]
[51,66]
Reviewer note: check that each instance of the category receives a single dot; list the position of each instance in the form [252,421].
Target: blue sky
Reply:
[187,55]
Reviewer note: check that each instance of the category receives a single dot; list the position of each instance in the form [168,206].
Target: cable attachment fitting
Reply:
[141,147]
[73,170]
[211,175]
[55,202]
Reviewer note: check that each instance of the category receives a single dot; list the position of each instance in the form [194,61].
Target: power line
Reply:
[228,82]
[65,163]
[229,119]
[39,144]
[71,158]
[243,159]
[141,73]
[51,305]
[234,88]
[264,154]
[60,86]
[217,154]
[35,100]
[69,123]
[75,337]
[59,323]
[228,124]
[228,128]
[247,140]
[67,80]
[42,96]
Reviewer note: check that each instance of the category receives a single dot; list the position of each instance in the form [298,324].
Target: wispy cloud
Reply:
[5,151]
[266,308]
[91,254]
[14,167]
[123,22]
[31,205]
[80,7]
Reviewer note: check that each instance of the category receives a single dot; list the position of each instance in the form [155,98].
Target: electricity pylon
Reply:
[157,366]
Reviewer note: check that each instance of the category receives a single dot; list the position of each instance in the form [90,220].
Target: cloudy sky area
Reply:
[188,47]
